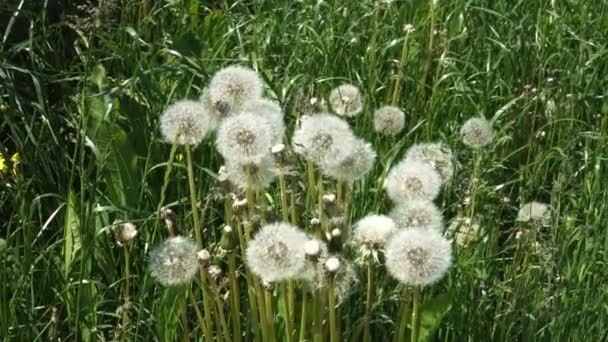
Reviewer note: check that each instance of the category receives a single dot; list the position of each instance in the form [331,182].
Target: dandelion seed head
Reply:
[534,212]
[245,137]
[463,231]
[389,120]
[417,214]
[174,261]
[418,257]
[322,137]
[185,122]
[271,111]
[436,155]
[354,164]
[277,253]
[410,179]
[232,86]
[345,100]
[371,233]
[258,175]
[124,232]
[477,132]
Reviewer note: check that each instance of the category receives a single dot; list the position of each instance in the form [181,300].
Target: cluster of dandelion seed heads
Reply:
[277,252]
[371,233]
[185,122]
[321,138]
[477,132]
[232,86]
[436,155]
[257,175]
[409,180]
[463,230]
[345,100]
[389,120]
[418,258]
[174,261]
[417,214]
[272,112]
[534,212]
[357,162]
[245,137]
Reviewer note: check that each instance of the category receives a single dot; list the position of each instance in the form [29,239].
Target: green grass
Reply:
[81,106]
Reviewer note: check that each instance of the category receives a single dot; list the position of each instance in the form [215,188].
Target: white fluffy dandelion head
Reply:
[389,120]
[277,253]
[354,164]
[410,180]
[232,86]
[477,132]
[245,137]
[436,155]
[322,137]
[534,212]
[258,175]
[418,257]
[417,214]
[463,230]
[271,111]
[371,233]
[174,261]
[185,122]
[345,100]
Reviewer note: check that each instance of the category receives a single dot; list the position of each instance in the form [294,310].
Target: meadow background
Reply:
[82,86]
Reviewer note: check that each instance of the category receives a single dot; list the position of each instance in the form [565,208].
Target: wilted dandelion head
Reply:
[354,164]
[277,253]
[418,257]
[389,120]
[371,233]
[345,277]
[185,122]
[256,175]
[345,100]
[174,261]
[436,155]
[463,230]
[232,86]
[534,212]
[410,180]
[322,137]
[271,111]
[477,132]
[245,137]
[124,232]
[417,214]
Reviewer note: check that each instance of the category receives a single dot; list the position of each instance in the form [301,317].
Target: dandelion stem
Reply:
[235,295]
[199,315]
[404,315]
[193,201]
[310,171]
[284,204]
[220,310]
[125,313]
[415,314]
[270,315]
[163,189]
[317,316]
[429,57]
[304,318]
[402,60]
[347,200]
[333,331]
[320,191]
[369,301]
[287,298]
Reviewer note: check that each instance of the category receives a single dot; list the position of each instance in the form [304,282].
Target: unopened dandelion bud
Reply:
[329,198]
[332,265]
[408,28]
[521,234]
[203,257]
[124,232]
[239,205]
[227,241]
[335,241]
[312,249]
[214,272]
[315,223]
[336,233]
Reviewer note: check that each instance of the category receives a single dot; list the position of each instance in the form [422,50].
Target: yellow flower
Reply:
[179,157]
[3,166]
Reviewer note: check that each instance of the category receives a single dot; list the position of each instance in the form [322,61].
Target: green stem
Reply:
[287,298]
[369,301]
[429,58]
[317,316]
[270,315]
[235,295]
[415,314]
[125,313]
[304,318]
[284,204]
[347,218]
[221,319]
[333,331]
[197,224]
[402,60]
[310,171]
[320,194]
[404,311]
[199,315]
